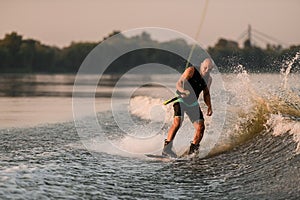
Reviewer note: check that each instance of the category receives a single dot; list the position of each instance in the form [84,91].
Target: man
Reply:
[189,86]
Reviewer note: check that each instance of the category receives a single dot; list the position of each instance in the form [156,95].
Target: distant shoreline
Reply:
[30,56]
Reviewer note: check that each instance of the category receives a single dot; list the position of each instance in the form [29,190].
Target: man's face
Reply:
[206,67]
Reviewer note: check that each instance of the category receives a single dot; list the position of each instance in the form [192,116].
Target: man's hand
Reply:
[209,111]
[185,93]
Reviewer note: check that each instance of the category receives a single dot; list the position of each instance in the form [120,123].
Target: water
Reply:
[43,156]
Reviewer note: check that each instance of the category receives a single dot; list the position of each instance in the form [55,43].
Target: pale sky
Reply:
[59,22]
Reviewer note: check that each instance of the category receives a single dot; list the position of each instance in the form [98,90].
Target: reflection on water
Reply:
[28,100]
[16,85]
[57,85]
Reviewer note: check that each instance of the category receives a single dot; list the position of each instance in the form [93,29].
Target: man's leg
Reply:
[196,116]
[174,128]
[178,118]
[167,151]
[199,131]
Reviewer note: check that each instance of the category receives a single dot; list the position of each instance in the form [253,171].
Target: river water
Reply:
[250,149]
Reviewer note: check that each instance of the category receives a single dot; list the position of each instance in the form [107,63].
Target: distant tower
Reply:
[249,34]
[248,42]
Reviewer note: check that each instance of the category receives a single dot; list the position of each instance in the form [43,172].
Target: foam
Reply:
[280,125]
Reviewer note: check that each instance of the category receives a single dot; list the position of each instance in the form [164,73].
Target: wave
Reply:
[250,112]
[268,108]
[267,116]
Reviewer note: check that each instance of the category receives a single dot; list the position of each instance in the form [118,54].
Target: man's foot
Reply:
[193,148]
[167,151]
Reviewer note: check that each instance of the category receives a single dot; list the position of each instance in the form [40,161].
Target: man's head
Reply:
[206,66]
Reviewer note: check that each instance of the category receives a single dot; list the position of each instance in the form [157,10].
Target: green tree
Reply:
[10,47]
[71,57]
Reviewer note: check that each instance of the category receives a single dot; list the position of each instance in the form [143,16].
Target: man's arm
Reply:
[187,74]
[206,97]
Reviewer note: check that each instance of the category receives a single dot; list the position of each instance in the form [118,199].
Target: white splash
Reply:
[280,125]
[149,108]
[287,71]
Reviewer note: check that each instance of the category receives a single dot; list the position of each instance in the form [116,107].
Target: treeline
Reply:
[18,55]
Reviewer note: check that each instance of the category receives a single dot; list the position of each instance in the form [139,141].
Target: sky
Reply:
[59,22]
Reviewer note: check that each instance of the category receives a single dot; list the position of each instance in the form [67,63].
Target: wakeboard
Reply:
[160,157]
[155,156]
[179,156]
[168,158]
